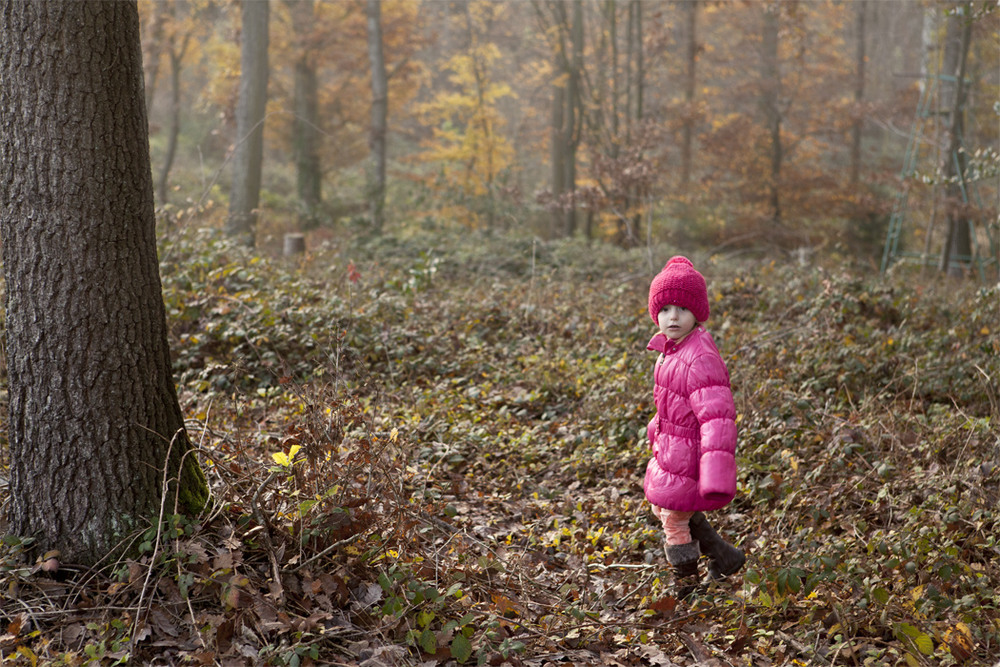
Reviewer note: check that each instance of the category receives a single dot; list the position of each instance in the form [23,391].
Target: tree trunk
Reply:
[95,427]
[640,67]
[610,9]
[176,63]
[250,109]
[154,44]
[957,251]
[640,83]
[574,108]
[558,151]
[379,115]
[690,80]
[305,129]
[860,8]
[770,103]
[557,155]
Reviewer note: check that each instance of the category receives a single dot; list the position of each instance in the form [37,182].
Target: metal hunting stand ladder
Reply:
[908,178]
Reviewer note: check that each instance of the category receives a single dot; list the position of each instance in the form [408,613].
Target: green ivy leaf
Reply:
[925,644]
[461,648]
[428,641]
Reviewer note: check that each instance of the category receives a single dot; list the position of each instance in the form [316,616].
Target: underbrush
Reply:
[431,451]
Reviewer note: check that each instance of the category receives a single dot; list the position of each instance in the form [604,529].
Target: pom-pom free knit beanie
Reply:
[679,284]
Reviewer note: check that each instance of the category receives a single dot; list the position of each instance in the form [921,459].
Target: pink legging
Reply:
[675,524]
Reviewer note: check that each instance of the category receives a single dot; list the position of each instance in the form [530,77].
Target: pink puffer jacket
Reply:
[693,435]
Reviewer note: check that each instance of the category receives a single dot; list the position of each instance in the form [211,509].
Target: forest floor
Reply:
[430,452]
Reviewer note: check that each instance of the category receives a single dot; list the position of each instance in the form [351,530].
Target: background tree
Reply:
[379,114]
[690,79]
[176,41]
[771,104]
[249,149]
[731,198]
[95,428]
[466,147]
[562,24]
[957,250]
[306,137]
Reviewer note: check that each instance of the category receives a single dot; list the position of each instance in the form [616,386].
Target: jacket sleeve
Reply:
[654,425]
[652,429]
[711,401]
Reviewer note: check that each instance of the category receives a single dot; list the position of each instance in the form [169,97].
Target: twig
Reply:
[800,647]
[159,531]
[324,552]
[262,522]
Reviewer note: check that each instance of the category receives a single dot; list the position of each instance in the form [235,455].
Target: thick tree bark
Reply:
[95,427]
[248,158]
[379,115]
[305,130]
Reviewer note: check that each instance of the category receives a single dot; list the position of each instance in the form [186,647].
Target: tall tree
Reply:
[95,428]
[379,114]
[958,35]
[770,103]
[153,46]
[574,109]
[567,104]
[250,110]
[176,46]
[305,103]
[861,10]
[690,80]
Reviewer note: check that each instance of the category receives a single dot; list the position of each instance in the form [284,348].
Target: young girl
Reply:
[693,435]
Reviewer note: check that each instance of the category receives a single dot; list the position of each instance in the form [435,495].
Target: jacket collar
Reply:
[660,343]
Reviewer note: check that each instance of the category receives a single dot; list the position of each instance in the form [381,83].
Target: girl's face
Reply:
[676,322]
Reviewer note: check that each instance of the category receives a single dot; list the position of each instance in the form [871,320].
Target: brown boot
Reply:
[683,558]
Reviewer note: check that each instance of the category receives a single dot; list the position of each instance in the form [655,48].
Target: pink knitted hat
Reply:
[679,284]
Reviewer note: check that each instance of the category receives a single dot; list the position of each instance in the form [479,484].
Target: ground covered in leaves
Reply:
[430,452]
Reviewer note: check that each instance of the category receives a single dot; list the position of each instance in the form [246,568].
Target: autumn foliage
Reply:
[437,458]
[716,123]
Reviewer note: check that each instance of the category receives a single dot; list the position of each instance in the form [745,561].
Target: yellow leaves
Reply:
[286,460]
[958,639]
[789,457]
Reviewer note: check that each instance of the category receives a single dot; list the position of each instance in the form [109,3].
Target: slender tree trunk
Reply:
[770,103]
[957,251]
[176,64]
[690,80]
[557,154]
[250,110]
[630,38]
[640,66]
[154,49]
[635,197]
[861,9]
[95,428]
[306,138]
[379,116]
[558,148]
[610,10]
[574,110]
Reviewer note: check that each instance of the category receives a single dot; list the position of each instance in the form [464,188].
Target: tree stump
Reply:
[295,244]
